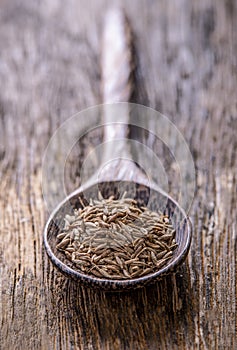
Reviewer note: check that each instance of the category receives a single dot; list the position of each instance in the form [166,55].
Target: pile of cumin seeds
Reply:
[117,239]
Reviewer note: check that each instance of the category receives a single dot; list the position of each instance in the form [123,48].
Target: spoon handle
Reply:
[117,58]
[117,65]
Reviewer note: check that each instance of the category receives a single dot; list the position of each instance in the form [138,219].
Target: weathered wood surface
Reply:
[49,69]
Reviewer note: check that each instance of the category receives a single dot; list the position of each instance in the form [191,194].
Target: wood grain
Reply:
[49,69]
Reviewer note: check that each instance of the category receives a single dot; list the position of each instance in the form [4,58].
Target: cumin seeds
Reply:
[116,239]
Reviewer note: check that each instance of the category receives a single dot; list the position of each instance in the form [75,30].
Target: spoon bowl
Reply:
[151,197]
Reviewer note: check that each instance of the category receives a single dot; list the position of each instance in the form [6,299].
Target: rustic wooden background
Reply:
[49,69]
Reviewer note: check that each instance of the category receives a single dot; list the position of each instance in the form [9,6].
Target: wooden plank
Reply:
[49,70]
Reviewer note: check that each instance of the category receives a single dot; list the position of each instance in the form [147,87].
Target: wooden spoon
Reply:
[118,172]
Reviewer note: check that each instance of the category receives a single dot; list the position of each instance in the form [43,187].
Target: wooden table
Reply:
[49,70]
